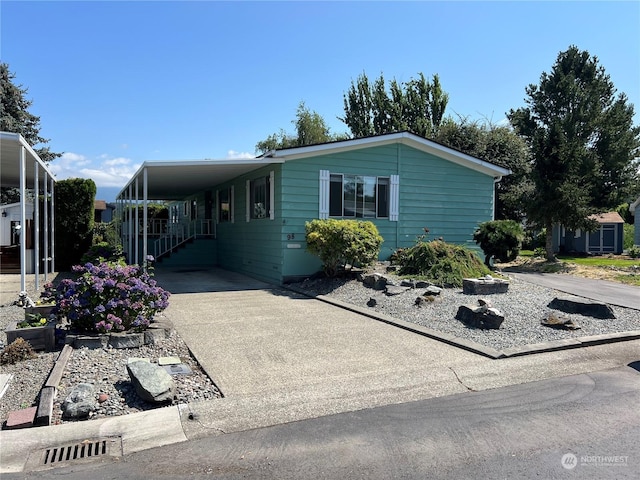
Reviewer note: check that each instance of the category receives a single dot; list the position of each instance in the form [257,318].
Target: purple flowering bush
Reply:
[108,297]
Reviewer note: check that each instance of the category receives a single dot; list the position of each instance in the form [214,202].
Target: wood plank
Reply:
[45,407]
[58,369]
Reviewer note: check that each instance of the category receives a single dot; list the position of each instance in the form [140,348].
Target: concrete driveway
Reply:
[601,290]
[278,356]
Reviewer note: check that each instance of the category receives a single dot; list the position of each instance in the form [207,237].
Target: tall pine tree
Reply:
[583,144]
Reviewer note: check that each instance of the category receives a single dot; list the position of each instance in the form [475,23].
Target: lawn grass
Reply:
[602,261]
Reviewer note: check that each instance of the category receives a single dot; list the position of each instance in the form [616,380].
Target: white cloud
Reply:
[118,161]
[233,155]
[104,170]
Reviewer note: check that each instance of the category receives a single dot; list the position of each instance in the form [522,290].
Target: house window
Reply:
[224,205]
[260,197]
[358,196]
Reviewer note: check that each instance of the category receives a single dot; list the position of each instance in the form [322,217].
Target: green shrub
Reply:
[634,251]
[339,243]
[102,252]
[74,210]
[441,262]
[628,233]
[500,239]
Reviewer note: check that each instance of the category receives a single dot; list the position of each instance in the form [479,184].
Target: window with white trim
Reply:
[359,196]
[260,193]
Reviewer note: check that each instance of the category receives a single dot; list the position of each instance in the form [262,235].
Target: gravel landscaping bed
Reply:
[524,307]
[105,369]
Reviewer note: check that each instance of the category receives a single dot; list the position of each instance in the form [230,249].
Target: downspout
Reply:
[398,172]
[496,180]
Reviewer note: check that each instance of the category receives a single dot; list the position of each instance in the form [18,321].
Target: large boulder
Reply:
[152,382]
[484,286]
[80,401]
[483,316]
[582,306]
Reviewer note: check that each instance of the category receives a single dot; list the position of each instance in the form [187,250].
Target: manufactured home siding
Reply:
[448,199]
[254,247]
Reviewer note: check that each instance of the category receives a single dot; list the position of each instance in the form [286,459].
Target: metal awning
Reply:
[22,168]
[175,180]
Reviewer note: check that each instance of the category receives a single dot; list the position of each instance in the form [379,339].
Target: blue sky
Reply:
[117,83]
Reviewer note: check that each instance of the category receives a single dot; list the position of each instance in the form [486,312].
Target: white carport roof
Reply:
[175,180]
[10,146]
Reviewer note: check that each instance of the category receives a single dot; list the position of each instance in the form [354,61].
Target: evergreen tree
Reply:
[15,116]
[582,141]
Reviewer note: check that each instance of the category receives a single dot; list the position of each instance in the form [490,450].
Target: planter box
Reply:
[44,310]
[40,338]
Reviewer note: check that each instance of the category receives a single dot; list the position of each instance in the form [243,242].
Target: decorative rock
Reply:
[484,286]
[375,281]
[391,290]
[79,402]
[169,361]
[432,290]
[103,397]
[138,359]
[480,317]
[126,340]
[153,336]
[152,382]
[407,282]
[372,302]
[582,306]
[424,300]
[555,321]
[180,369]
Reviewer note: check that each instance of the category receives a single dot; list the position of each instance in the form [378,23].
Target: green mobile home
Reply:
[249,215]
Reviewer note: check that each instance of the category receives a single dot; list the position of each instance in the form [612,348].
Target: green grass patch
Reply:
[630,279]
[600,261]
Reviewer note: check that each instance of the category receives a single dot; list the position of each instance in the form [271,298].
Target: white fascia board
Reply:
[634,205]
[19,139]
[405,138]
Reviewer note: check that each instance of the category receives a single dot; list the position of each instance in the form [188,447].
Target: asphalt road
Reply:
[580,426]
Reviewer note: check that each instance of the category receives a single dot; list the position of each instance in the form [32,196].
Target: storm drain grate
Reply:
[85,450]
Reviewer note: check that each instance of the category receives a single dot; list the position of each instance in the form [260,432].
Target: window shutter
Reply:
[324,194]
[248,209]
[394,198]
[272,195]
[232,205]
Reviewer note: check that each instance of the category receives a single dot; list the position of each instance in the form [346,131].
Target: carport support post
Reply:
[36,226]
[23,217]
[145,204]
[53,228]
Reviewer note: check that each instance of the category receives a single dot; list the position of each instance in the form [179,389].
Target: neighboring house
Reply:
[634,208]
[254,211]
[608,238]
[103,211]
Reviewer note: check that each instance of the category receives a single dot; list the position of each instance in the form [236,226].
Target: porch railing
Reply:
[176,234]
